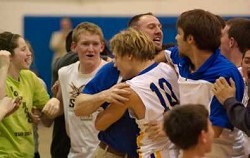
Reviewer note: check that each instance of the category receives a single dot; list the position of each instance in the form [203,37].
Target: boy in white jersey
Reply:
[154,90]
[88,42]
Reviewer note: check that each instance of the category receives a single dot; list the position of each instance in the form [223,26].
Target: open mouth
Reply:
[90,55]
[28,61]
[157,40]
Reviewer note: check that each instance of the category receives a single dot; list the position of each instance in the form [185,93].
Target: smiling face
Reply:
[89,46]
[22,55]
[152,27]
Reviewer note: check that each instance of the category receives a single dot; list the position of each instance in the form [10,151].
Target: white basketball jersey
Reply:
[229,143]
[159,92]
[81,130]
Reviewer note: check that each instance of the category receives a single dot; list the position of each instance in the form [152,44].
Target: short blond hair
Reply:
[87,27]
[133,42]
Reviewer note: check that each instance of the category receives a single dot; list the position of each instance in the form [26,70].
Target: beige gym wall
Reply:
[13,11]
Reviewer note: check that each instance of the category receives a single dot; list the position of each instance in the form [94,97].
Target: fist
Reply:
[4,58]
[52,108]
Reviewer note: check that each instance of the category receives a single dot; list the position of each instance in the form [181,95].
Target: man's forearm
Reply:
[238,114]
[86,104]
[109,116]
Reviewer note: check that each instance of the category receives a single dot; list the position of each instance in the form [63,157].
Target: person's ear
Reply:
[232,42]
[102,46]
[73,46]
[190,39]
[203,137]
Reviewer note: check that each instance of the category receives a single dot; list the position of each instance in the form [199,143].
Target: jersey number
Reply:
[171,97]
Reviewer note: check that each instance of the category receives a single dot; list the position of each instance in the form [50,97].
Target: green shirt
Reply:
[16,133]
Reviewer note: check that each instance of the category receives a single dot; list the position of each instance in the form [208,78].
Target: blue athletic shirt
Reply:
[213,68]
[121,135]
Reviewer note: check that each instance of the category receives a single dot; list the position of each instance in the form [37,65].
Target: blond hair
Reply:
[84,27]
[133,42]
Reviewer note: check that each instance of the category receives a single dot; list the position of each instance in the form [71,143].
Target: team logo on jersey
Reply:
[74,92]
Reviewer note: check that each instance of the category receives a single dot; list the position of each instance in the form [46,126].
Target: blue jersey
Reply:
[213,68]
[121,135]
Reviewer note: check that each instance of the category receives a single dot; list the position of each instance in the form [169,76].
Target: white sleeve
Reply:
[167,55]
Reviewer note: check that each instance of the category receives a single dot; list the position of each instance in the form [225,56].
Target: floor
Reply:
[45,135]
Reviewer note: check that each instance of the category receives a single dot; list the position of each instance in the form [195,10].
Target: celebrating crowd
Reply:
[188,100]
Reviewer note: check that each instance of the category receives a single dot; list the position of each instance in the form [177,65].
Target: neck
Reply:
[236,58]
[198,57]
[87,68]
[193,153]
[140,66]
[13,72]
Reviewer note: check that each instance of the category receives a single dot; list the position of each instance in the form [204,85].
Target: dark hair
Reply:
[221,20]
[106,52]
[8,41]
[30,47]
[203,26]
[183,124]
[233,21]
[134,20]
[239,29]
[68,41]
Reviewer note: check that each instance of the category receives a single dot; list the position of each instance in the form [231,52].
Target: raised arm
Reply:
[4,66]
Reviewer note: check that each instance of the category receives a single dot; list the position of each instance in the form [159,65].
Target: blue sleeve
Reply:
[218,115]
[181,62]
[174,54]
[105,78]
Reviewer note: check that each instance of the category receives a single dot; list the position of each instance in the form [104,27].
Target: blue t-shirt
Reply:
[214,67]
[121,135]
